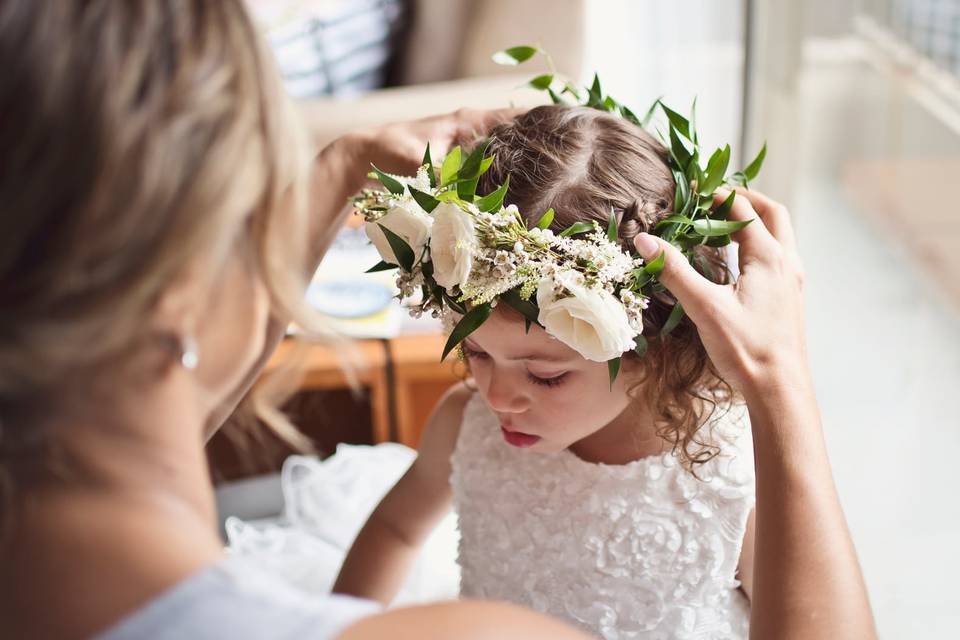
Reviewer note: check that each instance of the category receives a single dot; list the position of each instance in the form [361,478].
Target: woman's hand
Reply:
[806,579]
[753,330]
[340,171]
[398,148]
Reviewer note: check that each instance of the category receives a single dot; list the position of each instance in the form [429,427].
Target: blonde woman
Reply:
[158,218]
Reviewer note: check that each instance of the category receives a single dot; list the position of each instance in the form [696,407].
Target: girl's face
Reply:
[546,395]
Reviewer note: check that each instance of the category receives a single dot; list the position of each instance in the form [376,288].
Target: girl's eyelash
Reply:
[545,382]
[470,353]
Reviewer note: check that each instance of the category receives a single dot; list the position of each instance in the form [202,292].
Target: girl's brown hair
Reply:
[138,138]
[584,163]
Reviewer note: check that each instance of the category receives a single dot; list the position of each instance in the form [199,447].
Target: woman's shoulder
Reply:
[233,599]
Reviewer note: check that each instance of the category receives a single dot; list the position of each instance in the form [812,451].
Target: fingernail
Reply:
[646,245]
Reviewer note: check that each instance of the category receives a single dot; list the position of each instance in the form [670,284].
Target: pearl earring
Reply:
[189,357]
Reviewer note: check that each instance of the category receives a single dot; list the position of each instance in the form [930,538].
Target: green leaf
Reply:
[451,166]
[722,212]
[687,242]
[716,168]
[546,219]
[594,94]
[428,163]
[613,368]
[681,192]
[448,196]
[381,266]
[554,97]
[485,165]
[471,166]
[515,55]
[679,150]
[710,228]
[573,90]
[542,82]
[681,124]
[718,241]
[466,189]
[400,248]
[754,167]
[655,266]
[426,201]
[393,185]
[611,105]
[467,325]
[451,302]
[676,315]
[493,201]
[640,279]
[674,219]
[575,228]
[648,116]
[629,115]
[693,121]
[526,308]
[612,231]
[641,348]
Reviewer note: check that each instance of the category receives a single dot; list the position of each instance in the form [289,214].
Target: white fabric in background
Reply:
[326,504]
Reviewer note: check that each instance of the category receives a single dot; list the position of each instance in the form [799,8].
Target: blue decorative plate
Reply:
[348,298]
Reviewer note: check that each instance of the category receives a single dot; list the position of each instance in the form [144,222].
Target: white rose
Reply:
[451,245]
[590,321]
[407,221]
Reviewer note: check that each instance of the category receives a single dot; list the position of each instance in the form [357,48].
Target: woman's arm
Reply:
[390,541]
[339,172]
[745,565]
[465,620]
[806,578]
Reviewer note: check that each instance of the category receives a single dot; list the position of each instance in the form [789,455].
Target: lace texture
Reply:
[642,550]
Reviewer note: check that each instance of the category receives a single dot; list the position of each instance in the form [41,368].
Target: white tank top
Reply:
[235,600]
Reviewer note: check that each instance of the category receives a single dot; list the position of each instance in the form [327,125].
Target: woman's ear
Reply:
[175,319]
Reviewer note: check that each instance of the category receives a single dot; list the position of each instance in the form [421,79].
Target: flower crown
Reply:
[464,252]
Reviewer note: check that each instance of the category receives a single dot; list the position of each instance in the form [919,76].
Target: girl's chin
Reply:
[548,446]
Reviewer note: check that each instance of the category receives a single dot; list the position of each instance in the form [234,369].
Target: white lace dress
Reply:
[641,550]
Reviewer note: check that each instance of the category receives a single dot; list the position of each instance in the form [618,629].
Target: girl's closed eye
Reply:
[473,354]
[544,381]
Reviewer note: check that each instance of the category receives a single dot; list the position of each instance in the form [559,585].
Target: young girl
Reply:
[623,507]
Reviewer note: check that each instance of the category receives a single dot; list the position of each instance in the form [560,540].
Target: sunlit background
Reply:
[859,102]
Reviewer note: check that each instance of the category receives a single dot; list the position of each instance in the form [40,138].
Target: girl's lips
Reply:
[518,439]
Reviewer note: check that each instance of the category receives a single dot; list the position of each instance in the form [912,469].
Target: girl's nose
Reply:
[504,395]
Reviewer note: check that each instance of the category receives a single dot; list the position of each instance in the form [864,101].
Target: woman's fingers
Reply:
[775,216]
[471,124]
[692,290]
[755,237]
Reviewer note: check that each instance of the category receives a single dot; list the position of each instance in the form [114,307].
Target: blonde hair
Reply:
[138,137]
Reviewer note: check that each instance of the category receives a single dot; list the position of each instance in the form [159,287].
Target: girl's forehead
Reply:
[505,333]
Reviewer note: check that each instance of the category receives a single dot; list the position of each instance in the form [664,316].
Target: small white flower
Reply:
[407,221]
[452,243]
[590,321]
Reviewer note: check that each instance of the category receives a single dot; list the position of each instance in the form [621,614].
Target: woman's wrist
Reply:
[349,155]
[768,383]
